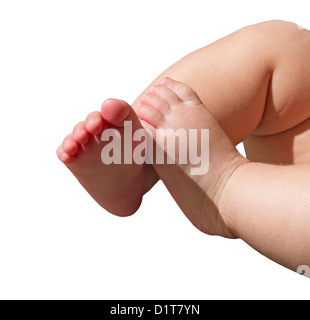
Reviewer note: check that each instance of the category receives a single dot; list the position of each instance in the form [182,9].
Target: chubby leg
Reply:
[255,82]
[270,210]
[266,205]
[231,82]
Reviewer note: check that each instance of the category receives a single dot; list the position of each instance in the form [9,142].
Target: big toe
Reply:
[117,112]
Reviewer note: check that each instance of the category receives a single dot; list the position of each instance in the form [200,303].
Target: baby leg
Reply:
[266,205]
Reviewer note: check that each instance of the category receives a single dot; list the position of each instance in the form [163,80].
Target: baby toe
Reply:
[183,91]
[63,156]
[150,115]
[156,102]
[94,123]
[166,94]
[80,134]
[69,145]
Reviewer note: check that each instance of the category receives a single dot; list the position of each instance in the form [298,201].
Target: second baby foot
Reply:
[174,105]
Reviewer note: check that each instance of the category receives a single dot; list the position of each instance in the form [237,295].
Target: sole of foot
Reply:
[118,188]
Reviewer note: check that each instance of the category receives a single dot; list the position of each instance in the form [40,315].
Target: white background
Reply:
[58,61]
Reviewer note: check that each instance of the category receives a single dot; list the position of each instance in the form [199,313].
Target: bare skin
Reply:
[255,84]
[253,103]
[81,152]
[265,205]
[270,210]
[173,105]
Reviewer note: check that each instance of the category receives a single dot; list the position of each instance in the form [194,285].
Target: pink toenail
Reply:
[91,121]
[64,157]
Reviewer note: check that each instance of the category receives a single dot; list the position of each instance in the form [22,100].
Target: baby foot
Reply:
[116,187]
[173,105]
